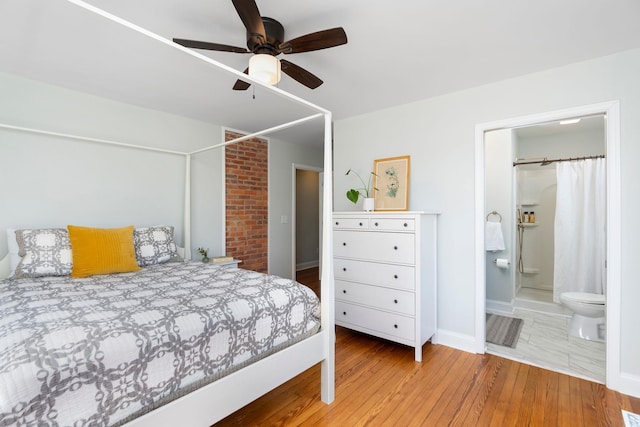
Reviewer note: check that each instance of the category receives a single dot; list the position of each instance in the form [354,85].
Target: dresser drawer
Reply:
[390,324]
[350,223]
[373,273]
[392,224]
[386,247]
[374,296]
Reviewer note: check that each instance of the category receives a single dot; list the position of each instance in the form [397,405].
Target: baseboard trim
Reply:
[499,306]
[628,384]
[307,264]
[456,340]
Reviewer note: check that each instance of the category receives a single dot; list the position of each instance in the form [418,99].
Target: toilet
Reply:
[588,317]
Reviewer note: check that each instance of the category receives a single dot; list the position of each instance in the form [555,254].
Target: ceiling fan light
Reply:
[265,68]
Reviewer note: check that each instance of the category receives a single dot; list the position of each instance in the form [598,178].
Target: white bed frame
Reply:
[215,401]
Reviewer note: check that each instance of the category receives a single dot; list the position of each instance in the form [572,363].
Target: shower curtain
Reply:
[580,227]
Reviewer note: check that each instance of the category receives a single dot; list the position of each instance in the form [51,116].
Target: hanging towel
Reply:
[494,241]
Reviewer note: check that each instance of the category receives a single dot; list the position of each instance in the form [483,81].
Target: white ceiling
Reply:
[397,51]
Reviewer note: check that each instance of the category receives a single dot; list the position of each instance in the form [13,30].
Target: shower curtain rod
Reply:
[546,161]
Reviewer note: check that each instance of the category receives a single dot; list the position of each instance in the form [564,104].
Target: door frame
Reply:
[611,110]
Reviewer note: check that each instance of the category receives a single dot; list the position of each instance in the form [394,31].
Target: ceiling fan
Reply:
[265,40]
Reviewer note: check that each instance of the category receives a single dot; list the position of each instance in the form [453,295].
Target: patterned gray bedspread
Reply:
[105,349]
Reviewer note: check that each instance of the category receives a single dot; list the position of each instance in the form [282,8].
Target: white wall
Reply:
[58,181]
[51,181]
[282,156]
[438,133]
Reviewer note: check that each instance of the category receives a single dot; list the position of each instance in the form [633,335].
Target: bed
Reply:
[201,403]
[137,346]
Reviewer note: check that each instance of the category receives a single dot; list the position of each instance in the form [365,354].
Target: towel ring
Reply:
[494,213]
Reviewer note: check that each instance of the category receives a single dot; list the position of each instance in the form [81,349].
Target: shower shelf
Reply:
[530,270]
[529,203]
[529,224]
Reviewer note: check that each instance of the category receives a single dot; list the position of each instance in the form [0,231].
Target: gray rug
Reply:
[503,330]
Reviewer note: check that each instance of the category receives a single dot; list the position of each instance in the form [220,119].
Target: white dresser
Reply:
[385,274]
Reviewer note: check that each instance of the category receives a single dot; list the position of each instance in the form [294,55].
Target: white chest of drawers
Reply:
[385,275]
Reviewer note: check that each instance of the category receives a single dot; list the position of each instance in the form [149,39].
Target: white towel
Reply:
[494,241]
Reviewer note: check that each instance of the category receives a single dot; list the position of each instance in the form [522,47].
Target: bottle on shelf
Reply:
[525,217]
[532,216]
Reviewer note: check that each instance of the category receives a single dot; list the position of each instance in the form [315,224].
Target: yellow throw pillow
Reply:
[102,250]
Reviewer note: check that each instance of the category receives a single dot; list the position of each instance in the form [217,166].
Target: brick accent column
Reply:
[247,202]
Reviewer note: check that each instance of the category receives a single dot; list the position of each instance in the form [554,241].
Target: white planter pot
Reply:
[368,204]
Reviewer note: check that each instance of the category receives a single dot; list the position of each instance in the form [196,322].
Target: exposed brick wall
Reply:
[247,202]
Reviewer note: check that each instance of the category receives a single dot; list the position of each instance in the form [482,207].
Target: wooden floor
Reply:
[311,278]
[378,383]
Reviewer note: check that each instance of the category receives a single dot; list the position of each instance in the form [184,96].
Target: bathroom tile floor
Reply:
[544,342]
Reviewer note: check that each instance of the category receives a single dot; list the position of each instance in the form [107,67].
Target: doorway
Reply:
[306,218]
[611,112]
[521,184]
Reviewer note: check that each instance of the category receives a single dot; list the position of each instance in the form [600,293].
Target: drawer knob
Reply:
[395,326]
[344,291]
[360,224]
[375,223]
[395,276]
[395,248]
[344,243]
[395,301]
[344,313]
[337,223]
[344,268]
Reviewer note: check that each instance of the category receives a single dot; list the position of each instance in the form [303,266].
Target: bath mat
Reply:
[503,330]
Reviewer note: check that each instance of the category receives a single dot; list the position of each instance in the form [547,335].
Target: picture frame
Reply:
[391,183]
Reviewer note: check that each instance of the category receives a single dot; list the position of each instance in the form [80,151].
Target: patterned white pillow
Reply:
[44,252]
[154,245]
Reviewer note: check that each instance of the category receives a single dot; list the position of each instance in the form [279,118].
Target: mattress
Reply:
[106,349]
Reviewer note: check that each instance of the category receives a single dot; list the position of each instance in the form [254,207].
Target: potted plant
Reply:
[366,191]
[205,254]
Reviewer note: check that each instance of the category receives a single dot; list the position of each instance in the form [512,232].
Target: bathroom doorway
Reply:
[508,301]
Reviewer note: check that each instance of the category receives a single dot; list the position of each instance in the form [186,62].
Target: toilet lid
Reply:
[585,297]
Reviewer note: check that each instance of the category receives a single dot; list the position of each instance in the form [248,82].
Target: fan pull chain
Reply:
[253,88]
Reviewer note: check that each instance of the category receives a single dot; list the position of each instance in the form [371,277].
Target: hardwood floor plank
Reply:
[497,417]
[485,409]
[564,401]
[528,395]
[447,391]
[541,397]
[416,390]
[462,400]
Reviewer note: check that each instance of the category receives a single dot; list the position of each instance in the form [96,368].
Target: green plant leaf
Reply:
[353,195]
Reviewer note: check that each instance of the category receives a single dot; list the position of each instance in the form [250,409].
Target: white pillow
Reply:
[45,252]
[155,245]
[12,244]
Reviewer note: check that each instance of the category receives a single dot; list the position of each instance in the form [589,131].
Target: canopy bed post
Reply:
[327,392]
[187,208]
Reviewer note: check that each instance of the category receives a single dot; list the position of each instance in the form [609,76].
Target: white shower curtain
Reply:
[580,227]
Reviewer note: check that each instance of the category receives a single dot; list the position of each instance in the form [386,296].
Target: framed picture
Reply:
[391,183]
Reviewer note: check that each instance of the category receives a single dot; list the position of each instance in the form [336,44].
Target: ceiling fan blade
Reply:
[241,84]
[210,46]
[250,16]
[315,41]
[300,74]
